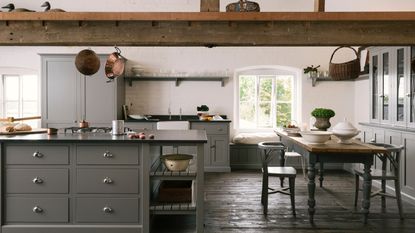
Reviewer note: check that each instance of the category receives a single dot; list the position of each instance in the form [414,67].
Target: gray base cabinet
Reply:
[72,187]
[217,148]
[396,136]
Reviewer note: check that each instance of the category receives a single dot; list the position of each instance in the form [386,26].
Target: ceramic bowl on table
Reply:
[345,131]
[316,137]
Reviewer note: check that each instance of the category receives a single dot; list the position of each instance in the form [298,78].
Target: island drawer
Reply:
[107,210]
[37,180]
[42,210]
[107,180]
[211,128]
[97,154]
[37,155]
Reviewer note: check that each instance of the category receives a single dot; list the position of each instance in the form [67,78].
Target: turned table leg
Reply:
[321,174]
[367,188]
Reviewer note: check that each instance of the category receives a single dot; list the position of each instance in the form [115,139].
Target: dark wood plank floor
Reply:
[232,202]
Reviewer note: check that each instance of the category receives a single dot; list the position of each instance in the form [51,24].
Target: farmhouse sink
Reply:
[180,125]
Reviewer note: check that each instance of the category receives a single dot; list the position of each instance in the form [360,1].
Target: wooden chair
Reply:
[391,158]
[268,150]
[292,154]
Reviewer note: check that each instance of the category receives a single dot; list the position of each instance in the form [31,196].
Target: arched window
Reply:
[266,97]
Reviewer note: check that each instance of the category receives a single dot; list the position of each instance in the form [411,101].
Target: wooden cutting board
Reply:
[33,131]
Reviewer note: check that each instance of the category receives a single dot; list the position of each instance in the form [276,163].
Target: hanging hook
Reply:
[118,50]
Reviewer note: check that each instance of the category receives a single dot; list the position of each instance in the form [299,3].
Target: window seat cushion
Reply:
[254,138]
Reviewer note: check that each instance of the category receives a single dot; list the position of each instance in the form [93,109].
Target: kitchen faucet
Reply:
[180,113]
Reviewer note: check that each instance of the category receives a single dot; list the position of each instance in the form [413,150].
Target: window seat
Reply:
[244,152]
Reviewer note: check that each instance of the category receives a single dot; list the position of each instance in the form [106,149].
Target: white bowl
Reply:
[316,137]
[138,117]
[344,138]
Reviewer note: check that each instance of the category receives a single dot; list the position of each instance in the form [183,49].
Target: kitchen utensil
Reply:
[83,124]
[52,131]
[176,162]
[114,67]
[87,62]
[12,119]
[117,127]
[316,137]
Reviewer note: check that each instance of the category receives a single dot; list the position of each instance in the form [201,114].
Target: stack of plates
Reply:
[137,70]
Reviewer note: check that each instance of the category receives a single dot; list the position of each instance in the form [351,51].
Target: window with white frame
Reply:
[19,97]
[267,97]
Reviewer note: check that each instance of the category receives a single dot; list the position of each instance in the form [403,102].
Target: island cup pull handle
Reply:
[37,209]
[107,209]
[37,154]
[37,180]
[107,180]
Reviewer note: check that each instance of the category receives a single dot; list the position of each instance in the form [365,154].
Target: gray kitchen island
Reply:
[93,182]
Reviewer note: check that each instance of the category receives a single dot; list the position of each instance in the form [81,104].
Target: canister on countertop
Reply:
[118,127]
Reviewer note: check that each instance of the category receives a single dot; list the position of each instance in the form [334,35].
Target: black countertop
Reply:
[160,136]
[191,118]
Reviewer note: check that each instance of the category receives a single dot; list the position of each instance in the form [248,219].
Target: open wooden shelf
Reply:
[314,80]
[177,80]
[208,29]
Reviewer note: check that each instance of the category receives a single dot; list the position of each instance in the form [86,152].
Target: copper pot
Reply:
[114,67]
[87,62]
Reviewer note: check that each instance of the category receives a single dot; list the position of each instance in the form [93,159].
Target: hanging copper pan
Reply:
[114,67]
[87,62]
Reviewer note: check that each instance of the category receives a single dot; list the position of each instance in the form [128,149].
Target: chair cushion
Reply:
[292,154]
[254,138]
[282,171]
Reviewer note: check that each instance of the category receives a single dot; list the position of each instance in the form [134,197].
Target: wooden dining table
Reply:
[333,152]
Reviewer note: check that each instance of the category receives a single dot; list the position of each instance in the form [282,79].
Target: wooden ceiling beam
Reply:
[82,31]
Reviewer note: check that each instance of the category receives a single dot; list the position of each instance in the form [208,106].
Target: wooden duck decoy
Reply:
[47,7]
[11,8]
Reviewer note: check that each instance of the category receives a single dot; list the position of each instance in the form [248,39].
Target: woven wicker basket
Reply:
[346,70]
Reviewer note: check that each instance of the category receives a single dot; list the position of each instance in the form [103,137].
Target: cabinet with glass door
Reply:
[391,82]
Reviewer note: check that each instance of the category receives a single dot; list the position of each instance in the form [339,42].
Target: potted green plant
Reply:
[202,110]
[322,116]
[311,71]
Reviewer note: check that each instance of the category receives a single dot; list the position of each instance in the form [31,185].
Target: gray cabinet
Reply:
[68,96]
[391,86]
[398,137]
[141,125]
[217,149]
[407,163]
[72,184]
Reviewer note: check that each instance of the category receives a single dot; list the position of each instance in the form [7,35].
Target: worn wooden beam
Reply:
[319,5]
[210,34]
[209,5]
[207,16]
[208,29]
